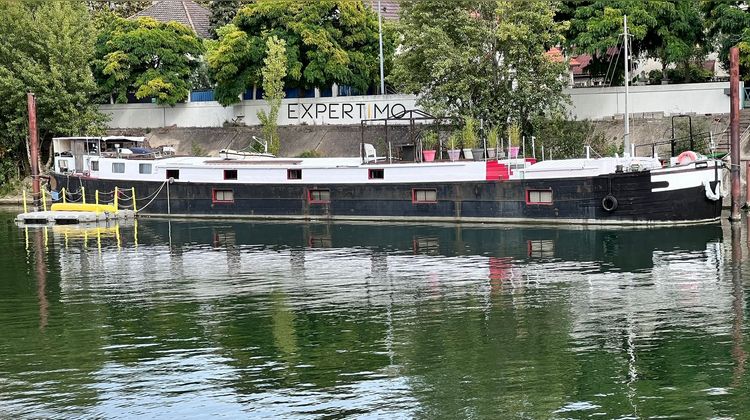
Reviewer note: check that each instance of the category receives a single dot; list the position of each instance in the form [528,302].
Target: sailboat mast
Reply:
[626,137]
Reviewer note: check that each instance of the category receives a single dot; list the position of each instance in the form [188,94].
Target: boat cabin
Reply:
[80,155]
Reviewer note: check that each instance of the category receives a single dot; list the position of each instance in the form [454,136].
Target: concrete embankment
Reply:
[332,140]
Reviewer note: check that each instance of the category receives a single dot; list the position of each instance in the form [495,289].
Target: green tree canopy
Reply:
[485,59]
[122,8]
[149,58]
[672,31]
[222,13]
[729,21]
[45,49]
[327,41]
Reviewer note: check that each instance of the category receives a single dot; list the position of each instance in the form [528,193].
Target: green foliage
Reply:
[197,150]
[729,22]
[310,154]
[672,31]
[429,140]
[564,139]
[121,8]
[481,58]
[327,41]
[222,13]
[469,134]
[493,136]
[46,50]
[274,71]
[149,58]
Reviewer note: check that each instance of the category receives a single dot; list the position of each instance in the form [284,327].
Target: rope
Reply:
[154,196]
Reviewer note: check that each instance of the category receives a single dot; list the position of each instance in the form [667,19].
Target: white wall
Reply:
[605,102]
[587,103]
[346,110]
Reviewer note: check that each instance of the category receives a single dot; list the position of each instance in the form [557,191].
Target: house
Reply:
[186,12]
[389,8]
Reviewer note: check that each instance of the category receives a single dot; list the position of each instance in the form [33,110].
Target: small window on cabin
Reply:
[319,196]
[94,165]
[173,173]
[223,196]
[424,195]
[538,196]
[294,174]
[145,168]
[118,167]
[63,165]
[376,174]
[230,174]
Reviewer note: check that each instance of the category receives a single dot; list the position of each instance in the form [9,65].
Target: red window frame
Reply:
[530,203]
[214,200]
[414,196]
[316,201]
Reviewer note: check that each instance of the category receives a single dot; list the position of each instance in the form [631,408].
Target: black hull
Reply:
[576,200]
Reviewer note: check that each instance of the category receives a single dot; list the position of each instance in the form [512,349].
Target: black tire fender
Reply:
[609,203]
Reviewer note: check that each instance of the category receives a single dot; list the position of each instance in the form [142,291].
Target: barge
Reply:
[611,190]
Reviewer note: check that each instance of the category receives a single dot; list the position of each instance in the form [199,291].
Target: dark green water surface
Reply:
[204,319]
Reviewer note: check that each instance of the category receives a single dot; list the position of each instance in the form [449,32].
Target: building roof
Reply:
[186,12]
[390,8]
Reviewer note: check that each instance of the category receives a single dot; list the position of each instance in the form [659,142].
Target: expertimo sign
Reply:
[348,110]
[586,103]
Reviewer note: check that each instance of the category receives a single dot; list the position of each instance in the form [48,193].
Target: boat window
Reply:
[538,196]
[118,167]
[94,165]
[376,173]
[223,196]
[319,196]
[294,174]
[144,168]
[230,174]
[63,165]
[424,195]
[173,173]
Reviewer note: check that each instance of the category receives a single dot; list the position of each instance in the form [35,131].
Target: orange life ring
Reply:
[686,157]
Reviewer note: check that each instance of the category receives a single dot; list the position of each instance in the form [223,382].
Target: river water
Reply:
[199,319]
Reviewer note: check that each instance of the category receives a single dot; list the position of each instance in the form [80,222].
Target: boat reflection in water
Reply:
[429,320]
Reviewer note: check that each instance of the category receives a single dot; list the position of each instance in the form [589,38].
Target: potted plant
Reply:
[514,139]
[470,139]
[454,153]
[492,140]
[429,141]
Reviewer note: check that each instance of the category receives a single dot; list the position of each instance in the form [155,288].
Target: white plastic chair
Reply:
[371,154]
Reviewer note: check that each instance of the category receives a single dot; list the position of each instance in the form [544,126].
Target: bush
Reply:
[310,154]
[563,139]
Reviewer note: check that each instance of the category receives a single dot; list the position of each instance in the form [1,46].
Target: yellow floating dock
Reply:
[95,208]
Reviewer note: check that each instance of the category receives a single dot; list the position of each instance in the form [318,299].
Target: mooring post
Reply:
[64,196]
[25,208]
[83,194]
[734,130]
[44,200]
[117,192]
[33,149]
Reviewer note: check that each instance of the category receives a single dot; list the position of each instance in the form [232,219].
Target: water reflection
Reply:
[270,319]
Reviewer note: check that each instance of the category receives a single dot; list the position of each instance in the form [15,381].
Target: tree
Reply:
[274,71]
[122,8]
[672,31]
[45,49]
[147,58]
[327,41]
[729,22]
[485,59]
[222,13]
